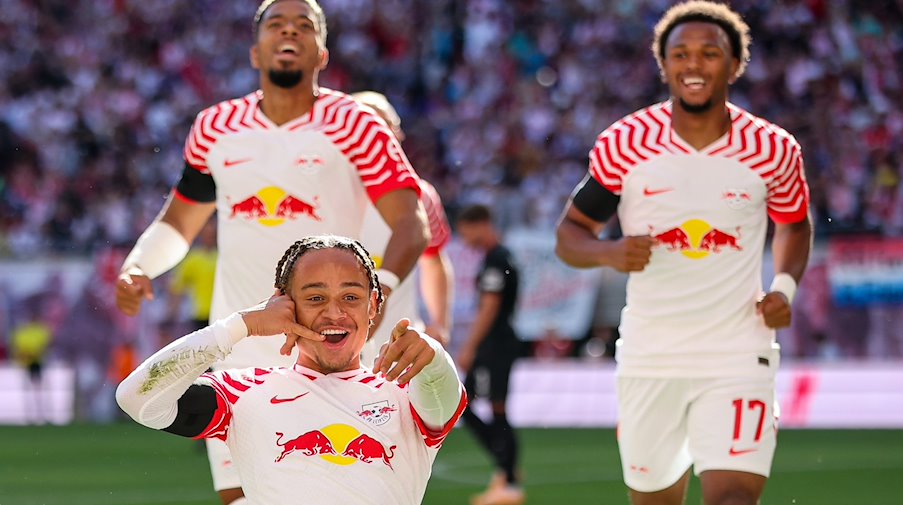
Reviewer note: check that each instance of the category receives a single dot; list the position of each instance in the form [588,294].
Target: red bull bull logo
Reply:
[272,206]
[696,239]
[339,444]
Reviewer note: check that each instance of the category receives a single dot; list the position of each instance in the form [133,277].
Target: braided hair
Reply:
[286,265]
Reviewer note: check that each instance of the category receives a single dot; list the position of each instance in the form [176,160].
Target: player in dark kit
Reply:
[492,346]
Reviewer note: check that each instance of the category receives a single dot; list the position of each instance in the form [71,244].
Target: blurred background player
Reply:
[435,269]
[327,427]
[289,160]
[694,181]
[29,342]
[489,352]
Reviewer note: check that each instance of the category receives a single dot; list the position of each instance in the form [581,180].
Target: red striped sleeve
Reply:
[627,143]
[229,386]
[370,146]
[788,195]
[434,439]
[435,213]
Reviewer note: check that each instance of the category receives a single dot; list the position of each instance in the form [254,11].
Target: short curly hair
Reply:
[314,6]
[708,12]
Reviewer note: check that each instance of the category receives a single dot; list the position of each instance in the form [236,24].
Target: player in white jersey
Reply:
[693,181]
[290,160]
[434,267]
[326,430]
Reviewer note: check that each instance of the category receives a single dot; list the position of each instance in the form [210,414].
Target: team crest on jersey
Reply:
[377,413]
[736,199]
[309,164]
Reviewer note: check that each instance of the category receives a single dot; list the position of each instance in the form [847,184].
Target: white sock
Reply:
[240,501]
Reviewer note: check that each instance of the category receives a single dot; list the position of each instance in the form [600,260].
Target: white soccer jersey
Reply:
[315,174]
[403,301]
[691,312]
[298,436]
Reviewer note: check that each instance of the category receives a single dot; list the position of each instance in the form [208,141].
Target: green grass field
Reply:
[125,464]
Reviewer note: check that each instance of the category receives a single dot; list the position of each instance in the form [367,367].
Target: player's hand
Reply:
[439,334]
[407,349]
[775,310]
[465,358]
[132,288]
[632,254]
[275,317]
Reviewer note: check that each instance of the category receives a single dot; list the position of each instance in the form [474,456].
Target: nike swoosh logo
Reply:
[232,163]
[653,192]
[274,400]
[735,452]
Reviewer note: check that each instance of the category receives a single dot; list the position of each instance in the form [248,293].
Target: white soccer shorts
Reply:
[667,425]
[222,468]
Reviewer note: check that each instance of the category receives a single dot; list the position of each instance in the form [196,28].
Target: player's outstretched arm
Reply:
[435,391]
[151,393]
[161,247]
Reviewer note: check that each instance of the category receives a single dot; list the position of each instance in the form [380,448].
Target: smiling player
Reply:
[289,160]
[326,430]
[693,181]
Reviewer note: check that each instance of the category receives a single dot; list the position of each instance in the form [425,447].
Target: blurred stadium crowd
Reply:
[501,102]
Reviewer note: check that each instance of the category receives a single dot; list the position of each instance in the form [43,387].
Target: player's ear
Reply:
[735,66]
[254,56]
[324,58]
[373,308]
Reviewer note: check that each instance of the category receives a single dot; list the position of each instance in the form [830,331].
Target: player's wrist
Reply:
[388,279]
[159,248]
[785,284]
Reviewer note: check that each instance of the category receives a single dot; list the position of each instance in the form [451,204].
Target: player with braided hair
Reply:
[289,160]
[326,419]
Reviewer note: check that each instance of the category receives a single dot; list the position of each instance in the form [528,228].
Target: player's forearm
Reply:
[410,236]
[790,247]
[436,286]
[167,239]
[150,394]
[579,247]
[436,391]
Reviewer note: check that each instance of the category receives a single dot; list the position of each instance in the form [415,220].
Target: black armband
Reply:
[196,409]
[594,200]
[196,186]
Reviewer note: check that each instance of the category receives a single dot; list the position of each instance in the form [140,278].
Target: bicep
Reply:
[196,409]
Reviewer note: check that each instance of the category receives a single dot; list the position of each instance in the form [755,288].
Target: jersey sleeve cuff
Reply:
[433,438]
[229,331]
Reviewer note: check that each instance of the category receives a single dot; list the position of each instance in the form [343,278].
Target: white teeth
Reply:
[287,48]
[333,332]
[690,81]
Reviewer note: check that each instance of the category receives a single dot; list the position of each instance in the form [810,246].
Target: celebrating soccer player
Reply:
[326,428]
[289,160]
[693,182]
